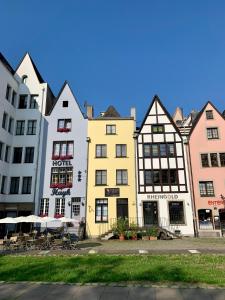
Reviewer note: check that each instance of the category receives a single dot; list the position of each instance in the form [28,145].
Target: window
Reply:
[162,150]
[101,150]
[64,125]
[121,150]
[8,92]
[14,98]
[61,177]
[59,207]
[209,114]
[17,155]
[7,153]
[14,185]
[101,210]
[26,187]
[157,128]
[205,160]
[147,150]
[1,150]
[4,120]
[155,150]
[24,79]
[20,125]
[121,177]
[29,155]
[176,212]
[11,123]
[22,102]
[65,104]
[76,209]
[110,129]
[171,149]
[62,150]
[44,207]
[222,159]
[3,186]
[31,127]
[214,160]
[33,102]
[212,133]
[159,150]
[100,177]
[206,188]
[161,177]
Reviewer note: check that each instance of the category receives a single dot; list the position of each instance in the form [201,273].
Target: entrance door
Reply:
[122,208]
[150,213]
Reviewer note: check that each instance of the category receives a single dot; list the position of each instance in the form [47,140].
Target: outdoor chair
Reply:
[57,244]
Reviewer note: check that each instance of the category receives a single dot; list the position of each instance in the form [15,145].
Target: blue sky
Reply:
[123,52]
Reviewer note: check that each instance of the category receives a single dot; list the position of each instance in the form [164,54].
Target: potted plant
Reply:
[153,233]
[120,227]
[133,230]
[144,235]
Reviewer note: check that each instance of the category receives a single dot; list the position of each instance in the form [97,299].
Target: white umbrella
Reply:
[48,219]
[20,219]
[8,220]
[67,220]
[32,219]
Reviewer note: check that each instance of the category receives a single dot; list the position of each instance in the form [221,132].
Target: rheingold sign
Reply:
[163,196]
[58,192]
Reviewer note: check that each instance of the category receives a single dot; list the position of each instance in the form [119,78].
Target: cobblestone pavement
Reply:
[177,246]
[37,291]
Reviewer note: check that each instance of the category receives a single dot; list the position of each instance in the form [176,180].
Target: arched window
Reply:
[24,79]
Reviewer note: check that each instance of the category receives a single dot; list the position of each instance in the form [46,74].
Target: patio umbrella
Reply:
[8,220]
[67,220]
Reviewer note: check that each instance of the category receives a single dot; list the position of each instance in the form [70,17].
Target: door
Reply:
[150,213]
[122,208]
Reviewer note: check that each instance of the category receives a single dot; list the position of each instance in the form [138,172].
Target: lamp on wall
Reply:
[69,203]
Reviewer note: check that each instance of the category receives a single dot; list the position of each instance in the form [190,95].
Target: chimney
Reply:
[133,113]
[90,111]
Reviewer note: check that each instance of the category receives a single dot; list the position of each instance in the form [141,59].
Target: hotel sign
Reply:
[58,192]
[112,192]
[59,163]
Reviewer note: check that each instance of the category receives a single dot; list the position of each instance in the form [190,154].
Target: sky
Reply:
[122,52]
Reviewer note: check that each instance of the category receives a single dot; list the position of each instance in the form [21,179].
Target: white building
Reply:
[24,100]
[164,196]
[65,164]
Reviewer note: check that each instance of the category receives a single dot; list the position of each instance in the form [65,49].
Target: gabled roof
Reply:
[111,112]
[59,94]
[6,64]
[156,99]
[40,79]
[198,117]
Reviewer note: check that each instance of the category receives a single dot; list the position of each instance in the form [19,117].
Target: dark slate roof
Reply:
[223,113]
[6,64]
[111,112]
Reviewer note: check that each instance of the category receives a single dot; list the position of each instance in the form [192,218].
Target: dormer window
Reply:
[157,128]
[24,79]
[64,125]
[65,104]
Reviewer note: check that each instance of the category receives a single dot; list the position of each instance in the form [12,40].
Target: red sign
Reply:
[216,202]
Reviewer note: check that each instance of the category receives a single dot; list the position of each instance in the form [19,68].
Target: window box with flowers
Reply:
[57,216]
[53,185]
[43,215]
[55,157]
[69,185]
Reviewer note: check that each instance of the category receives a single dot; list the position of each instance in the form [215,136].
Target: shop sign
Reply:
[58,192]
[58,163]
[216,202]
[112,192]
[163,197]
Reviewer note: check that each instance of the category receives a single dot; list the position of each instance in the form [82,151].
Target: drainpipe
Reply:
[192,189]
[38,150]
[88,141]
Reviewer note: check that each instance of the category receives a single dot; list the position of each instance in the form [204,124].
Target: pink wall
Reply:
[200,144]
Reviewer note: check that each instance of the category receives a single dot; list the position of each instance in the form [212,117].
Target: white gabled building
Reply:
[24,100]
[65,164]
[164,196]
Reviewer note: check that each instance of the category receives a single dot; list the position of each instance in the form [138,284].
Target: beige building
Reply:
[111,185]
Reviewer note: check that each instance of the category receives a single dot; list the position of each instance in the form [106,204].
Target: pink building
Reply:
[207,159]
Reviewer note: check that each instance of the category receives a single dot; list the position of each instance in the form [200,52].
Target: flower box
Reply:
[43,215]
[57,216]
[55,157]
[69,184]
[60,129]
[54,185]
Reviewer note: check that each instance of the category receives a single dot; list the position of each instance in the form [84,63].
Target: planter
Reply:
[153,238]
[134,238]
[145,238]
[121,237]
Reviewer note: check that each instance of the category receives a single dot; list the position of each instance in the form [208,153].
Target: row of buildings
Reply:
[58,161]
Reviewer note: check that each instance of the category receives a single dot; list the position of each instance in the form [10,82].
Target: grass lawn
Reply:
[208,269]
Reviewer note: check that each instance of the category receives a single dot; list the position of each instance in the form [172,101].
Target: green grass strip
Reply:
[198,269]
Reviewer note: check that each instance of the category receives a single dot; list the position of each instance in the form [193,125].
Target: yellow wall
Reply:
[124,135]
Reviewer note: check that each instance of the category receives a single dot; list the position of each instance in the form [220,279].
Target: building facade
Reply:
[164,196]
[65,164]
[207,157]
[24,99]
[111,189]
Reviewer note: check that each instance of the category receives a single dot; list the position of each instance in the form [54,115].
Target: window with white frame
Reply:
[76,209]
[110,129]
[59,207]
[31,127]
[20,125]
[44,207]
[212,133]
[61,177]
[62,150]
[100,177]
[101,210]
[121,150]
[64,125]
[33,102]
[206,188]
[176,212]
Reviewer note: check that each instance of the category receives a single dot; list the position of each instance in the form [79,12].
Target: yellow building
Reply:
[111,185]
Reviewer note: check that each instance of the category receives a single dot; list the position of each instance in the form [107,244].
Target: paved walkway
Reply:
[72,292]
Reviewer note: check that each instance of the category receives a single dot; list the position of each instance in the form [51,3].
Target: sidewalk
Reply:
[37,291]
